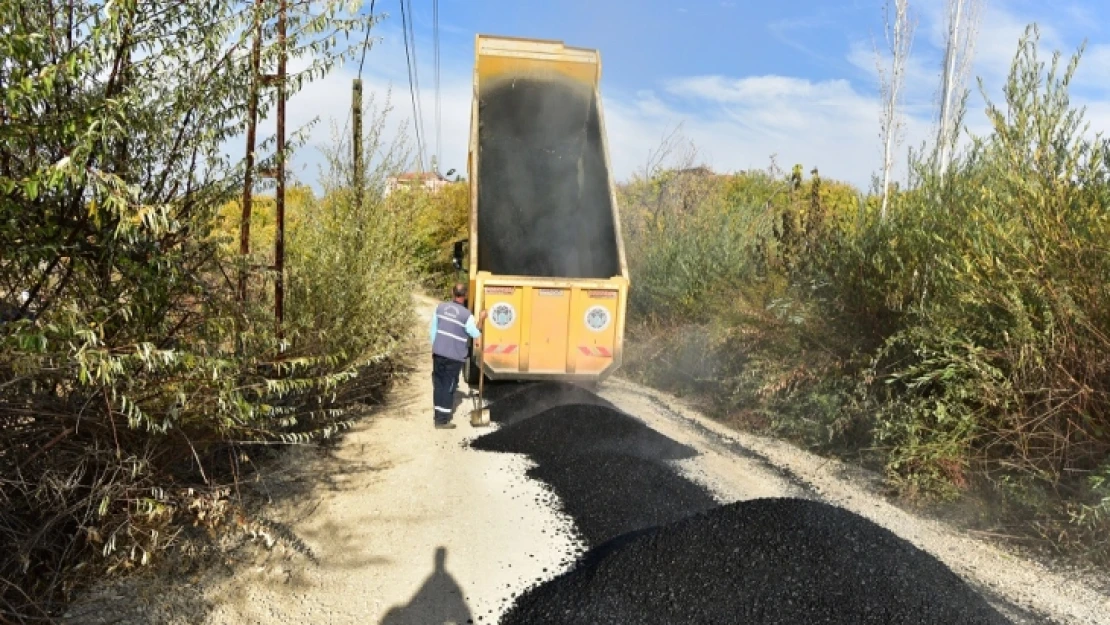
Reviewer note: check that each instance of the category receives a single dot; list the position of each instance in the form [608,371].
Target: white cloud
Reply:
[740,123]
[1094,68]
[922,77]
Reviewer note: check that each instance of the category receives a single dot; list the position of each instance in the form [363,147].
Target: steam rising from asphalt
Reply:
[544,207]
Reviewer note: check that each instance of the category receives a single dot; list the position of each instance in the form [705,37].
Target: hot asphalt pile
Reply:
[543,186]
[770,561]
[607,469]
[582,430]
[512,402]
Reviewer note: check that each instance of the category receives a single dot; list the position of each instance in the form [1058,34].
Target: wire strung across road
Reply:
[414,80]
[438,122]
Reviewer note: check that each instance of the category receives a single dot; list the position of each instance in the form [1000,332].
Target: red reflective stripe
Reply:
[602,352]
[500,349]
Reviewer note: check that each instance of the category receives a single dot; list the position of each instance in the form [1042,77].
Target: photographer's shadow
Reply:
[439,600]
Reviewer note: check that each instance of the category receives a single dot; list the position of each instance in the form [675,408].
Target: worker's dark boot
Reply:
[445,426]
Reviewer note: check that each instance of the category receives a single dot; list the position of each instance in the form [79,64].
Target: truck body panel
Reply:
[546,258]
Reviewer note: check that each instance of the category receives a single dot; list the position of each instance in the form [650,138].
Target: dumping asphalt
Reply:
[512,402]
[543,185]
[664,550]
[579,430]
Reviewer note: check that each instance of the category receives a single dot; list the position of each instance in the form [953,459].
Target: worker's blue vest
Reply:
[451,337]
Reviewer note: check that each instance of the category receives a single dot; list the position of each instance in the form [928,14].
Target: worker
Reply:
[451,324]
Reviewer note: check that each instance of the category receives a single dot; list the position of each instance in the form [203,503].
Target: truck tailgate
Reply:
[551,328]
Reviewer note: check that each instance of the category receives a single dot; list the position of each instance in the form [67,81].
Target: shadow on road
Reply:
[438,601]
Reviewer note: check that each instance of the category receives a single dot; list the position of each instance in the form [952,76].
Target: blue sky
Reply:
[746,80]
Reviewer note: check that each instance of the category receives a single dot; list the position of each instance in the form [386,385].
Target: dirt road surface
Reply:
[408,526]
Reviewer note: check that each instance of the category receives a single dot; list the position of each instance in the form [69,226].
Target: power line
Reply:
[366,41]
[413,86]
[439,124]
[416,79]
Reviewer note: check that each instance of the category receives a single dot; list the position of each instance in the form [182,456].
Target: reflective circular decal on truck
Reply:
[502,315]
[597,318]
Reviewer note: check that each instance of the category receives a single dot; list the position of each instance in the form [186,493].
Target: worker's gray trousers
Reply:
[445,379]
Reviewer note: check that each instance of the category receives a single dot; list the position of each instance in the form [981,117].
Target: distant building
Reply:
[430,181]
[697,171]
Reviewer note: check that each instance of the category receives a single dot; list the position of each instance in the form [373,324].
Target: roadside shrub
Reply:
[1009,355]
[133,382]
[352,254]
[963,340]
[438,220]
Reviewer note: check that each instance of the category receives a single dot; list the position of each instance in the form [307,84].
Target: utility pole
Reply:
[356,139]
[252,129]
[279,231]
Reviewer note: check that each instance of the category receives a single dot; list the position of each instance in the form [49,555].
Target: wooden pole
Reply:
[252,129]
[279,231]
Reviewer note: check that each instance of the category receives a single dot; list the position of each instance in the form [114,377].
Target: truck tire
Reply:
[470,372]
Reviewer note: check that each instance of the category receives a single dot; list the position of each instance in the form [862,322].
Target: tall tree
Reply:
[962,29]
[898,29]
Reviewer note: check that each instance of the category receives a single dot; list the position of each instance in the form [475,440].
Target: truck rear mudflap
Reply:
[549,328]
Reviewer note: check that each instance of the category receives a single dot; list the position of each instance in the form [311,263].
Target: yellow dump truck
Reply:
[546,259]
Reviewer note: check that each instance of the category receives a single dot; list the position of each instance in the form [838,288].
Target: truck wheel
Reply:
[471,372]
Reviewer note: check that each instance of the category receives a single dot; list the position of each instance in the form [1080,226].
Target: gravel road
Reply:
[413,525]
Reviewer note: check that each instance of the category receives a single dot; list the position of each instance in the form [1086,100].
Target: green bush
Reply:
[1009,352]
[438,220]
[351,256]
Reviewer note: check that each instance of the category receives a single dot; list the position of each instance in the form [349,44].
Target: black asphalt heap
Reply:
[510,403]
[610,494]
[768,561]
[606,468]
[582,429]
[544,207]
